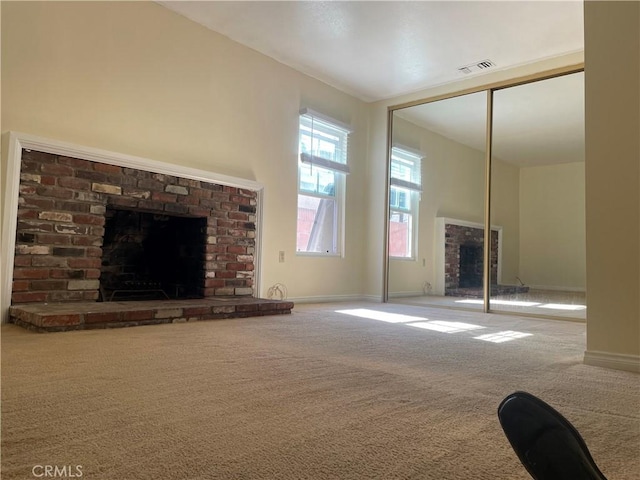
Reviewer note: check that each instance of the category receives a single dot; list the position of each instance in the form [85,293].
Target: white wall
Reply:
[612,76]
[552,226]
[136,78]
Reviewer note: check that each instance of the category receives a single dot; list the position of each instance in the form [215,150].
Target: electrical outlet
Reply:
[281,256]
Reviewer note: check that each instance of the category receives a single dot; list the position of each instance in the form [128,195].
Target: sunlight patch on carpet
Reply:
[446,327]
[442,326]
[382,316]
[502,337]
[511,303]
[561,306]
[519,303]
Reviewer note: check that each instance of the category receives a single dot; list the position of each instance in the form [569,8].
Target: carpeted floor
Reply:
[318,394]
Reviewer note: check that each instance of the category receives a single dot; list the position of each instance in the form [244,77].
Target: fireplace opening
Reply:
[471,266]
[148,256]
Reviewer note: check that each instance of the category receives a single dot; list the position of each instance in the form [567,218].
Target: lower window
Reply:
[317,224]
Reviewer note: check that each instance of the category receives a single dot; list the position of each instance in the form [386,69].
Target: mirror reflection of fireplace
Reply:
[151,256]
[471,266]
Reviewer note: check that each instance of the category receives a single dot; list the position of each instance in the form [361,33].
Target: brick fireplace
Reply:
[90,230]
[66,203]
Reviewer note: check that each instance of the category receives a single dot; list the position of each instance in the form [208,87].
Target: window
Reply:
[322,167]
[404,196]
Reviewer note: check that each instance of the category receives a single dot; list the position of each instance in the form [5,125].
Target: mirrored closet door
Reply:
[438,197]
[436,202]
[538,197]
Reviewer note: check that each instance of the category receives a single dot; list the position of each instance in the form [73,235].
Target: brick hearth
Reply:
[92,315]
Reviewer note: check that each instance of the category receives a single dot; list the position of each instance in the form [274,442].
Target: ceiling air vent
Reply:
[477,67]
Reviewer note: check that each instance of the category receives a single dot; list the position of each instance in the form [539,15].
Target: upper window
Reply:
[404,196]
[322,166]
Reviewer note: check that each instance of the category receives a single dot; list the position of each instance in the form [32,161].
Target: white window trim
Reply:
[339,197]
[325,118]
[341,170]
[324,163]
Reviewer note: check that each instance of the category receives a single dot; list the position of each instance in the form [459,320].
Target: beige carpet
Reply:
[314,395]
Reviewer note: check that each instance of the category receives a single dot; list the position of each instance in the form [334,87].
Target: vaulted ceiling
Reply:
[376,50]
[381,49]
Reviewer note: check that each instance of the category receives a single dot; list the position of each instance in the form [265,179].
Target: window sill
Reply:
[319,254]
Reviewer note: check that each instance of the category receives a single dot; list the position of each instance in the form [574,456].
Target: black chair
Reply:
[546,443]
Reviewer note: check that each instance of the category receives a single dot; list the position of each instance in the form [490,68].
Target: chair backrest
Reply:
[547,444]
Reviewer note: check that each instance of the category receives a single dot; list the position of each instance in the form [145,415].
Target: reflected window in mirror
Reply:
[404,198]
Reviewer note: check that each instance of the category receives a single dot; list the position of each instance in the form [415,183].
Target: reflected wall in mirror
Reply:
[436,203]
[538,196]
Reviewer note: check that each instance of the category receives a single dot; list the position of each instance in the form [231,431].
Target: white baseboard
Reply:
[557,288]
[336,299]
[406,294]
[616,361]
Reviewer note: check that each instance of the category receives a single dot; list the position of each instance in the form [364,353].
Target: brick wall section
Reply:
[456,235]
[61,217]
